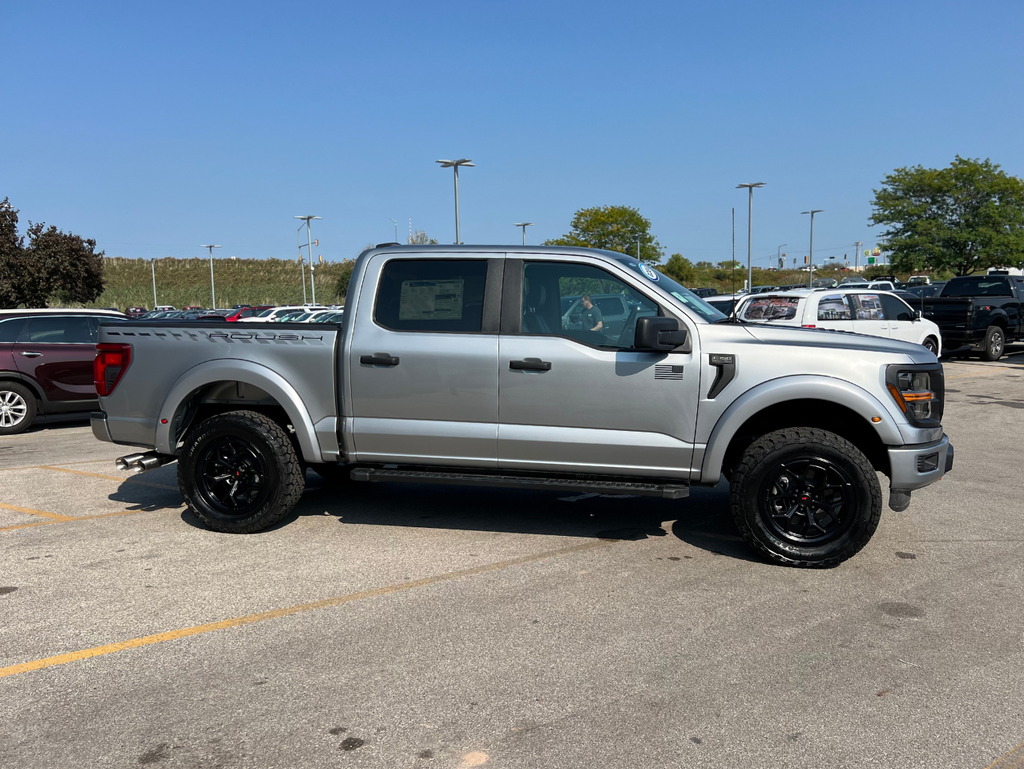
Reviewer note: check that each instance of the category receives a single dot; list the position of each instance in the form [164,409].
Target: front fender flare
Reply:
[801,387]
[248,372]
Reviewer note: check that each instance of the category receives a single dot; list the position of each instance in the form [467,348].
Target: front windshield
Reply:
[266,313]
[683,294]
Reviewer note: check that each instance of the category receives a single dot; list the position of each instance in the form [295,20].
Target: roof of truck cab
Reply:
[465,249]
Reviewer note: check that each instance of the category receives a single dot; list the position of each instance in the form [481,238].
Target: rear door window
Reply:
[833,307]
[58,329]
[866,306]
[896,309]
[432,295]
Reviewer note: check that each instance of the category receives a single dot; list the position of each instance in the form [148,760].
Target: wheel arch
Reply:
[801,401]
[226,385]
[10,376]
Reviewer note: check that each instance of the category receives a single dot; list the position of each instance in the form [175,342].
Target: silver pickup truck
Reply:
[459,365]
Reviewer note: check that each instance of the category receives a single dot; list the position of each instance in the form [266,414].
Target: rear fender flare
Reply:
[250,373]
[776,391]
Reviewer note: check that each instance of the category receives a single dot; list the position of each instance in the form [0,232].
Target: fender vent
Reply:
[668,372]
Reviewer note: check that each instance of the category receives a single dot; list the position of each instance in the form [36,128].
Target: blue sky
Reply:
[156,127]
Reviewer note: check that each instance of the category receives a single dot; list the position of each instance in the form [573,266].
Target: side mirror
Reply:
[660,334]
[917,315]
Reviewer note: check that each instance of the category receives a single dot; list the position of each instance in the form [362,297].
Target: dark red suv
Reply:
[46,364]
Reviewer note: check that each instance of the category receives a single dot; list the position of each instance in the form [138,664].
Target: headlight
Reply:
[918,391]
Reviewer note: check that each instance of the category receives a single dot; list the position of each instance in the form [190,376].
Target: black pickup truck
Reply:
[982,312]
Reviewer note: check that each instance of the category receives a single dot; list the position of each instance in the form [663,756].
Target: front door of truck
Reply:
[423,361]
[580,398]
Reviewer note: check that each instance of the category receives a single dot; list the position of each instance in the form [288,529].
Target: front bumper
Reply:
[98,421]
[912,467]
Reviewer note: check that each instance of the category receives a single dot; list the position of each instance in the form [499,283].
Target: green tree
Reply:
[679,268]
[53,266]
[964,218]
[614,228]
[420,238]
[12,255]
[344,278]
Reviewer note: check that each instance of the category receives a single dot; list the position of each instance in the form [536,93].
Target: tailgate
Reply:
[949,312]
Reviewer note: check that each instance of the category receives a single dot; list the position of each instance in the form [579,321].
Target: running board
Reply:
[639,488]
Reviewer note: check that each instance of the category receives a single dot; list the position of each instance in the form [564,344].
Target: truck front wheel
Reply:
[239,472]
[805,497]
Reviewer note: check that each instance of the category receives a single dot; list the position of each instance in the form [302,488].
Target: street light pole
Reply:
[454,164]
[778,255]
[395,222]
[213,295]
[810,271]
[309,244]
[524,225]
[302,264]
[856,257]
[751,186]
[152,269]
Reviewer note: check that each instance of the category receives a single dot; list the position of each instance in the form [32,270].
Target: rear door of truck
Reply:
[422,364]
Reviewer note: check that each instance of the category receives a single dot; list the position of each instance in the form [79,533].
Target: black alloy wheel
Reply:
[239,472]
[804,496]
[232,476]
[807,500]
[995,342]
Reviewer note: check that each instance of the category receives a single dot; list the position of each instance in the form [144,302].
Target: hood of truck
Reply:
[818,337]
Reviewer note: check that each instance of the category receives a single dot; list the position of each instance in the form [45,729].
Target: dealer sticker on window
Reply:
[652,274]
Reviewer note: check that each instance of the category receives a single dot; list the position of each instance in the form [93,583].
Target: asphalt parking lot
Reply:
[413,626]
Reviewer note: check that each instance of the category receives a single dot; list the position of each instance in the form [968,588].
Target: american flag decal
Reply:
[668,372]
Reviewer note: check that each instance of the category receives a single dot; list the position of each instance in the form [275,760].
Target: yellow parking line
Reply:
[129,478]
[70,518]
[1003,761]
[40,513]
[287,611]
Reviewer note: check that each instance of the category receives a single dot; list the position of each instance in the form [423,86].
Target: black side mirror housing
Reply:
[659,334]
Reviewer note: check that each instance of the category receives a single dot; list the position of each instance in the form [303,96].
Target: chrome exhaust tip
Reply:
[140,463]
[125,463]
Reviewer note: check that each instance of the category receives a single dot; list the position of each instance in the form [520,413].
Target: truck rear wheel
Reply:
[995,343]
[239,472]
[805,497]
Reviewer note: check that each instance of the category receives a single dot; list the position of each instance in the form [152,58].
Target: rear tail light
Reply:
[112,360]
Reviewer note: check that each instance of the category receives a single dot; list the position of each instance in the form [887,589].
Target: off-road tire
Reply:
[19,394]
[995,344]
[765,456]
[931,344]
[334,474]
[283,478]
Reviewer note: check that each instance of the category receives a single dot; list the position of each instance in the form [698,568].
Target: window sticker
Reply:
[833,307]
[652,274]
[431,299]
[869,307]
[771,308]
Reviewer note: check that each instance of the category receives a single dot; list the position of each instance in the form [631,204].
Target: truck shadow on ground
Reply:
[702,520]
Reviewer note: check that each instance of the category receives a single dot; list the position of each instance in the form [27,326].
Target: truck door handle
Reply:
[28,354]
[529,364]
[379,359]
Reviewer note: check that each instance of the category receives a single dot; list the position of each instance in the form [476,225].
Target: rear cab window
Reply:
[771,308]
[980,285]
[431,295]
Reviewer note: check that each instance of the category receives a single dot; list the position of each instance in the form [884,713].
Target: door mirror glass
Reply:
[662,334]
